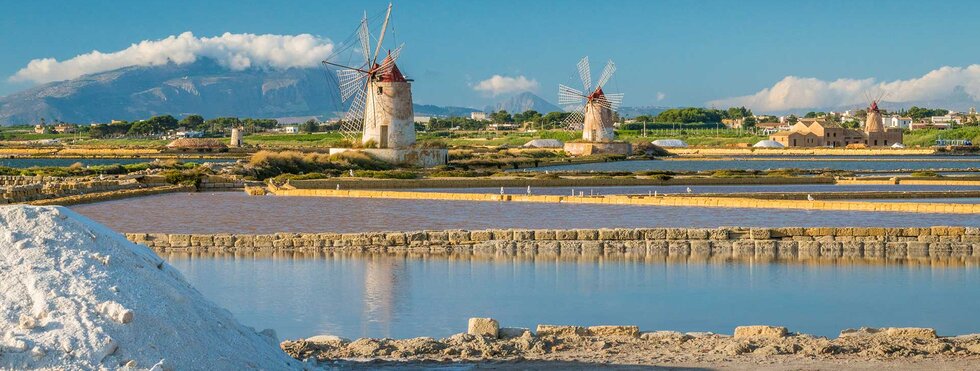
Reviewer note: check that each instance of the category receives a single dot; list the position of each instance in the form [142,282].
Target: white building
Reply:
[896,122]
[478,116]
[949,118]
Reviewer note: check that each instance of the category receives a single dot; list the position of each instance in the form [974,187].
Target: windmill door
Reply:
[384,137]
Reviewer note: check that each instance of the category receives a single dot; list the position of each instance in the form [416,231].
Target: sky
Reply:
[769,55]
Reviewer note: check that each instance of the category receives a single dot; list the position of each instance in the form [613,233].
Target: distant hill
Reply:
[202,87]
[432,110]
[524,102]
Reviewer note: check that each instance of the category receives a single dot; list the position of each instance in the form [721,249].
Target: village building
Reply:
[821,132]
[479,116]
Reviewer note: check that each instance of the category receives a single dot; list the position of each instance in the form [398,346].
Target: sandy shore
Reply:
[863,349]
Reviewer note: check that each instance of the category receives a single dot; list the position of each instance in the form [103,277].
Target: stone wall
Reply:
[27,189]
[718,242]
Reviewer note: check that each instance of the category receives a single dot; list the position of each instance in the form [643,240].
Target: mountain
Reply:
[202,87]
[447,111]
[524,102]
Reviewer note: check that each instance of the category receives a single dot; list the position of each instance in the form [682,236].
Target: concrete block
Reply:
[483,327]
[767,332]
[719,234]
[759,233]
[697,234]
[614,331]
[608,234]
[565,235]
[555,330]
[676,233]
[586,234]
[179,240]
[544,235]
[481,235]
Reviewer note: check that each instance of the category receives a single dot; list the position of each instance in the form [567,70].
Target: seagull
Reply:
[689,190]
[501,191]
[809,197]
[528,189]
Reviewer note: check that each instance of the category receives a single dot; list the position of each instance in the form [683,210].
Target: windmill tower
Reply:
[873,123]
[380,97]
[592,110]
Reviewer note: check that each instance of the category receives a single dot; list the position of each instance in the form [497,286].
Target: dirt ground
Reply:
[865,349]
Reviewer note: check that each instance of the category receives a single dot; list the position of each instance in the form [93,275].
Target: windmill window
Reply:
[381,90]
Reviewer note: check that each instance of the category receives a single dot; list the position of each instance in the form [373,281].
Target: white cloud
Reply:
[497,85]
[235,51]
[661,95]
[801,92]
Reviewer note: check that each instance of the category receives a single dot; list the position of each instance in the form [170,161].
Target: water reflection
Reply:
[408,295]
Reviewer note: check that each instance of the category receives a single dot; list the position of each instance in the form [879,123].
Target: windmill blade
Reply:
[585,73]
[575,120]
[606,73]
[387,63]
[614,100]
[364,35]
[354,119]
[567,95]
[349,82]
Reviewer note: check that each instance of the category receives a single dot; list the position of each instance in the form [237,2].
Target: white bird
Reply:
[351,172]
[528,189]
[338,187]
[809,197]
[689,190]
[501,191]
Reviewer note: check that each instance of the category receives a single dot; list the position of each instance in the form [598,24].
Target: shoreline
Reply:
[563,347]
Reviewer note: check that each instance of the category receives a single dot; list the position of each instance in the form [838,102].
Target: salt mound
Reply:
[76,295]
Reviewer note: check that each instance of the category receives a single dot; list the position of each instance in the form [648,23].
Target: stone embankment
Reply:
[680,242]
[496,182]
[112,195]
[697,151]
[16,189]
[645,200]
[627,345]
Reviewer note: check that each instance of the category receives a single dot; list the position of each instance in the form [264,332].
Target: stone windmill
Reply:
[873,123]
[380,97]
[592,110]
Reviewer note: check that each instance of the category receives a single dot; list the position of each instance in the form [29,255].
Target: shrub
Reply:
[386,174]
[926,174]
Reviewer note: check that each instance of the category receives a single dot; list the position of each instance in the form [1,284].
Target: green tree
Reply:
[501,116]
[192,122]
[310,126]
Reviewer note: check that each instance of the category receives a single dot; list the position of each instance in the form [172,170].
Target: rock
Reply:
[614,331]
[699,334]
[910,332]
[737,348]
[895,332]
[767,332]
[27,322]
[513,332]
[668,336]
[115,312]
[483,327]
[554,330]
[328,340]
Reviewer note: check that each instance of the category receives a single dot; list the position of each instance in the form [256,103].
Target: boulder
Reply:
[483,327]
[766,332]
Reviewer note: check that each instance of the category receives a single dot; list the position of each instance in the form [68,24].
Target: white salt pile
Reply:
[76,295]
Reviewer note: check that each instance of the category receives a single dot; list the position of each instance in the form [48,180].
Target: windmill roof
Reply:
[392,74]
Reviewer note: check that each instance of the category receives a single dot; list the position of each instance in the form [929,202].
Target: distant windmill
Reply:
[873,122]
[593,110]
[380,96]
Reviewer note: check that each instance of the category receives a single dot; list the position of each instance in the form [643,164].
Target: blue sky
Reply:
[682,52]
